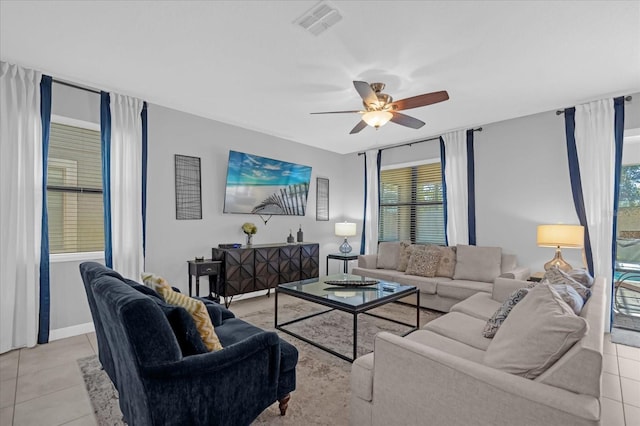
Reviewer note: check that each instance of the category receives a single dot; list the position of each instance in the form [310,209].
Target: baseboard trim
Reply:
[74,330]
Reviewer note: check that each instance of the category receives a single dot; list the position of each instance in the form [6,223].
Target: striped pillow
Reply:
[195,307]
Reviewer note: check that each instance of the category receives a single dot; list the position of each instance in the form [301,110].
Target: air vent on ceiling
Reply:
[319,18]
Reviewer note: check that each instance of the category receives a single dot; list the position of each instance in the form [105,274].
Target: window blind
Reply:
[74,190]
[411,205]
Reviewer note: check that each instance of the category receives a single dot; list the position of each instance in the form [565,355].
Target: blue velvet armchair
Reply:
[164,376]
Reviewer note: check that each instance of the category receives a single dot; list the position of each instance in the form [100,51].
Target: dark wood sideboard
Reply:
[264,266]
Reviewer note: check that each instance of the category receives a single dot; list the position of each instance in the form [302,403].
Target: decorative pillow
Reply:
[558,276]
[582,276]
[404,255]
[424,263]
[540,329]
[477,263]
[496,320]
[180,320]
[195,307]
[570,296]
[388,252]
[447,264]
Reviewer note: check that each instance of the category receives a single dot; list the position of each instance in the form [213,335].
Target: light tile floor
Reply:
[43,385]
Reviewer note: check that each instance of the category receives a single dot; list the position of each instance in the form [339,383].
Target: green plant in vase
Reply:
[250,229]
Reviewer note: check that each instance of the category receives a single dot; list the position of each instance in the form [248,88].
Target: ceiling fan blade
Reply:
[366,92]
[335,112]
[405,120]
[420,100]
[361,125]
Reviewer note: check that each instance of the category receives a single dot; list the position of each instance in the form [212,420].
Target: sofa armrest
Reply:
[368,261]
[414,382]
[519,273]
[215,362]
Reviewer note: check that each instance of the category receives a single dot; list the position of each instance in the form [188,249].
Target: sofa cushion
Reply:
[445,344]
[508,263]
[460,327]
[388,252]
[538,331]
[194,307]
[380,274]
[500,315]
[481,305]
[477,263]
[424,263]
[461,289]
[447,264]
[424,284]
[405,254]
[558,276]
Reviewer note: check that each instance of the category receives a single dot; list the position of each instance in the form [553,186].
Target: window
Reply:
[411,204]
[74,190]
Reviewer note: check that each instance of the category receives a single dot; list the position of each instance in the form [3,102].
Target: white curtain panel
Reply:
[126,186]
[455,173]
[20,205]
[371,208]
[595,144]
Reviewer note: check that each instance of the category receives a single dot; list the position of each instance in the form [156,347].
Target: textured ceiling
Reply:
[247,64]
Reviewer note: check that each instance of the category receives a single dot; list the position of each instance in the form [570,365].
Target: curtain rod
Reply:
[75,86]
[626,98]
[479,129]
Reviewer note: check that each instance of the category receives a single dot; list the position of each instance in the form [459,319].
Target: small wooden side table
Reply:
[341,256]
[212,268]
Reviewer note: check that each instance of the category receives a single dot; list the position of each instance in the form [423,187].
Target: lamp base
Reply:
[558,262]
[345,247]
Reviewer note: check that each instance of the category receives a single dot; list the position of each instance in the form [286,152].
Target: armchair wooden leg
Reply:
[284,404]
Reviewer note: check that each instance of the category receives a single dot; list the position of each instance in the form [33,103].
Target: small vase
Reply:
[249,239]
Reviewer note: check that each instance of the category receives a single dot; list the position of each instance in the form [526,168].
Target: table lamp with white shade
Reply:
[345,229]
[567,236]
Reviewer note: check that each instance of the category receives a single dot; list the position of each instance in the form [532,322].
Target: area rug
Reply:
[323,385]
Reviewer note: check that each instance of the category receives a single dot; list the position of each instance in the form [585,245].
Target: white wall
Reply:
[171,242]
[521,181]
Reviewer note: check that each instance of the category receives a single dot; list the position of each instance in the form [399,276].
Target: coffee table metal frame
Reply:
[355,310]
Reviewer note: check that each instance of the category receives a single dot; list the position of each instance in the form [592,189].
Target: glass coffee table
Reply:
[353,294]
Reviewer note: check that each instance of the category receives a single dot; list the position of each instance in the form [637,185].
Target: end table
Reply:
[206,267]
[345,257]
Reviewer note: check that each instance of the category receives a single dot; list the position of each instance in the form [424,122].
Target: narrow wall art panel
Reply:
[188,188]
[322,199]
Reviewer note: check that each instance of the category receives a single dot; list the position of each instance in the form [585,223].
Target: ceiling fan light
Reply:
[377,118]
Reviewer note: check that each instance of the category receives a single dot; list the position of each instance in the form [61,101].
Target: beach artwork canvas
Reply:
[260,185]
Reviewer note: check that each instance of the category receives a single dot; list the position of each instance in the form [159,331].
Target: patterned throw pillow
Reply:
[447,264]
[494,323]
[405,254]
[195,307]
[558,276]
[424,263]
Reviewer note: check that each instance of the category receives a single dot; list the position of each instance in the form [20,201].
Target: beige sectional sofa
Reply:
[447,373]
[473,270]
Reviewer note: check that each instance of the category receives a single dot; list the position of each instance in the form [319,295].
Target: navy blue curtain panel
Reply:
[576,181]
[364,213]
[105,144]
[443,164]
[44,310]
[144,178]
[471,189]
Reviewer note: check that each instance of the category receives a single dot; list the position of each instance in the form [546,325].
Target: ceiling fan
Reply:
[379,108]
